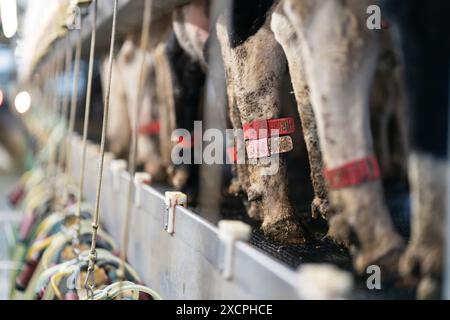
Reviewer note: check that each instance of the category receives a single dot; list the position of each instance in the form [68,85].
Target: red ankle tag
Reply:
[257,149]
[260,129]
[151,128]
[353,173]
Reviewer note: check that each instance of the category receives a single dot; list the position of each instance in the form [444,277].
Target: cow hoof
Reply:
[429,288]
[388,262]
[385,255]
[421,261]
[284,231]
[339,230]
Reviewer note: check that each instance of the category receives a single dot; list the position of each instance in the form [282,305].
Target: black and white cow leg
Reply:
[256,63]
[426,69]
[340,56]
[187,79]
[424,255]
[288,39]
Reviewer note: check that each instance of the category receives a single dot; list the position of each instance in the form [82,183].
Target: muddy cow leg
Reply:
[288,39]
[256,63]
[426,69]
[241,183]
[340,56]
[192,30]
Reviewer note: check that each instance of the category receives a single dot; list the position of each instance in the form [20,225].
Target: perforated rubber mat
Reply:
[294,255]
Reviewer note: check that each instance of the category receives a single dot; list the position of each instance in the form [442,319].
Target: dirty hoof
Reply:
[339,231]
[388,263]
[429,289]
[421,261]
[384,252]
[284,231]
[423,265]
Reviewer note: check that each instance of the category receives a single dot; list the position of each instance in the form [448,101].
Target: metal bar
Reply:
[214,116]
[129,19]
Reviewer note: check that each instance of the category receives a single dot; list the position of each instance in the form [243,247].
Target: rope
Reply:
[74,100]
[87,110]
[133,150]
[49,103]
[90,283]
[65,115]
[53,160]
[64,102]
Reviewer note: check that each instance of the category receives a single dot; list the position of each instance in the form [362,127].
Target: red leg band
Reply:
[353,173]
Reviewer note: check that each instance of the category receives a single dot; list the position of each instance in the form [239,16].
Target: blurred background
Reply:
[13,142]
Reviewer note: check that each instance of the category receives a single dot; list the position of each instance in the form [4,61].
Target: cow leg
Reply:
[148,148]
[119,128]
[288,39]
[427,78]
[340,56]
[241,182]
[128,62]
[187,83]
[256,65]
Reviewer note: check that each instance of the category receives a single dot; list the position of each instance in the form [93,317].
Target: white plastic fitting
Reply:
[323,282]
[172,200]
[140,178]
[117,167]
[231,231]
[109,156]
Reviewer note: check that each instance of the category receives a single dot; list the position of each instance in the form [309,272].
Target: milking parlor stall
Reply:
[224,149]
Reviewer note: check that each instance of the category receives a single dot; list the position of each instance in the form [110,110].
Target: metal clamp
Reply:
[231,231]
[140,178]
[172,199]
[116,167]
